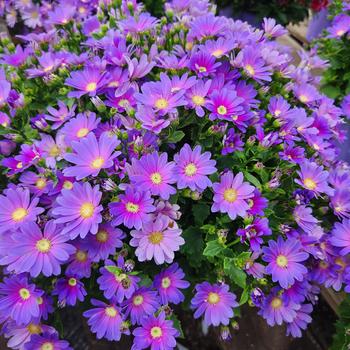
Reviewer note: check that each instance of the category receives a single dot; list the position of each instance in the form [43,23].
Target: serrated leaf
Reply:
[236,275]
[177,325]
[176,136]
[213,248]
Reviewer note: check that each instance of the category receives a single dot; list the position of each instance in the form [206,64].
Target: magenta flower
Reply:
[16,209]
[105,320]
[314,178]
[69,290]
[168,284]
[156,240]
[151,121]
[100,155]
[231,195]
[153,172]
[47,341]
[225,105]
[206,26]
[133,209]
[62,14]
[79,210]
[285,261]
[203,64]
[155,333]
[87,81]
[144,302]
[215,302]
[38,252]
[48,64]
[193,167]
[19,299]
[341,236]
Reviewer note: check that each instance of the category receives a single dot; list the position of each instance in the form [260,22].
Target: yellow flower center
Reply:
[161,103]
[250,70]
[43,245]
[87,210]
[24,293]
[132,207]
[68,185]
[340,32]
[310,184]
[190,169]
[303,98]
[202,69]
[81,256]
[137,300]
[217,53]
[91,87]
[213,298]
[156,332]
[54,151]
[19,214]
[41,183]
[155,237]
[102,236]
[198,100]
[120,277]
[276,303]
[111,311]
[166,282]
[82,132]
[156,178]
[282,261]
[123,103]
[34,328]
[39,300]
[222,110]
[277,112]
[97,163]
[47,346]
[19,165]
[48,68]
[230,195]
[323,265]
[340,262]
[72,282]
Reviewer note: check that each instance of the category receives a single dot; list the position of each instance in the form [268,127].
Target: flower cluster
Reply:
[141,156]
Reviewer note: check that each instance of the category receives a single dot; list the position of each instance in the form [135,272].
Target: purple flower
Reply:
[87,81]
[257,204]
[79,210]
[339,26]
[61,14]
[314,178]
[151,121]
[59,115]
[5,88]
[153,172]
[47,341]
[143,23]
[157,240]
[231,194]
[48,63]
[19,299]
[306,93]
[169,282]
[197,97]
[16,209]
[193,167]
[141,304]
[100,155]
[304,218]
[340,203]
[300,322]
[155,333]
[79,263]
[215,301]
[285,261]
[34,251]
[207,25]
[341,236]
[203,64]
[133,208]
[293,154]
[105,320]
[69,290]
[345,105]
[273,30]
[17,58]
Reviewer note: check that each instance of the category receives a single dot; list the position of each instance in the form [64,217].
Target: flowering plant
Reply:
[151,163]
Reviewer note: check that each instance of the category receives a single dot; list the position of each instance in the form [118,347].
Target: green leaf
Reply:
[252,179]
[176,136]
[200,213]
[177,325]
[145,281]
[114,269]
[194,245]
[213,248]
[235,274]
[244,296]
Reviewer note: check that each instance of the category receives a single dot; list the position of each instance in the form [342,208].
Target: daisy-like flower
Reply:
[59,115]
[340,203]
[61,14]
[133,208]
[79,263]
[107,239]
[207,26]
[314,178]
[144,22]
[87,81]
[47,341]
[105,320]
[306,93]
[203,64]
[48,64]
[143,302]
[155,173]
[90,155]
[34,251]
[215,301]
[225,105]
[151,121]
[231,195]
[341,236]
[285,260]
[78,127]
[193,167]
[160,97]
[304,218]
[16,209]
[301,321]
[197,97]
[168,284]
[19,299]
[155,333]
[79,210]
[36,183]
[5,88]
[69,290]
[218,48]
[156,240]
[339,26]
